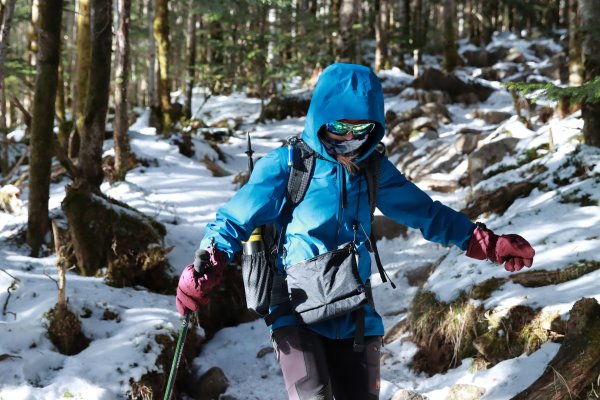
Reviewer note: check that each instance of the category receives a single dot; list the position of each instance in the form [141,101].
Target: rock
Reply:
[489,154]
[438,185]
[435,112]
[395,332]
[426,96]
[405,394]
[491,116]
[465,144]
[283,106]
[434,79]
[515,56]
[418,276]
[227,305]
[463,391]
[497,201]
[555,68]
[9,199]
[383,227]
[210,385]
[402,131]
[479,58]
[438,111]
[499,72]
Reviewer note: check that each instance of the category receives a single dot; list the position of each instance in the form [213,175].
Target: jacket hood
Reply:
[345,91]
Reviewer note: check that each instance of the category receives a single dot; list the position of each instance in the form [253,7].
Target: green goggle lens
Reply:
[343,128]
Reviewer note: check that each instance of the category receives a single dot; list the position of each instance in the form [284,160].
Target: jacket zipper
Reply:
[341,180]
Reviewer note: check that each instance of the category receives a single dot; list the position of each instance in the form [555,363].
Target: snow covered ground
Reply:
[181,193]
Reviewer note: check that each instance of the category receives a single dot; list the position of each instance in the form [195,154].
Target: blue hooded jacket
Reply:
[319,223]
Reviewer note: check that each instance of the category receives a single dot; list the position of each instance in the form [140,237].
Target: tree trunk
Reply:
[575,368]
[32,33]
[161,35]
[191,51]
[122,81]
[152,89]
[382,58]
[590,112]
[43,121]
[450,46]
[404,31]
[82,71]
[346,48]
[575,36]
[61,111]
[90,153]
[5,24]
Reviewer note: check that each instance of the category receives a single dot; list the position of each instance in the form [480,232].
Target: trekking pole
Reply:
[204,258]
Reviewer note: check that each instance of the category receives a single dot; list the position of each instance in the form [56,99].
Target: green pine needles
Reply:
[589,92]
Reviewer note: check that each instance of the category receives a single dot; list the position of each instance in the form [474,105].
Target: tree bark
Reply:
[346,49]
[82,71]
[90,153]
[161,35]
[121,123]
[382,57]
[5,25]
[43,121]
[575,36]
[404,32]
[152,89]
[450,46]
[576,366]
[191,51]
[590,112]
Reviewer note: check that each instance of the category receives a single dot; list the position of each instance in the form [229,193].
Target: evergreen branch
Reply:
[589,92]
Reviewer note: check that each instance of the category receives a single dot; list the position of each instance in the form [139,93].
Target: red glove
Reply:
[512,250]
[194,287]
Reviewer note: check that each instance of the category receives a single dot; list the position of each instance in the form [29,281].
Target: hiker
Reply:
[337,355]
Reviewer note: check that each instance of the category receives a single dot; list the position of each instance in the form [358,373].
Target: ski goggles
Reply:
[343,128]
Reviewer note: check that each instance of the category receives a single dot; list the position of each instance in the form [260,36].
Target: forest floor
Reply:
[560,217]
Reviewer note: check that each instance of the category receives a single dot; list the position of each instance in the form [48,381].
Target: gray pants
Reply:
[317,368]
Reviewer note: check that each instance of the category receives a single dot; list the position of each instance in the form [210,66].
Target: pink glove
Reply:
[512,250]
[194,288]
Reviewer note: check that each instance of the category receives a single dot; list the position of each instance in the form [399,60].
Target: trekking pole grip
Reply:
[201,261]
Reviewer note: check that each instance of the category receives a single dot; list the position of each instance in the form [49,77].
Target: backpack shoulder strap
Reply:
[372,171]
[301,160]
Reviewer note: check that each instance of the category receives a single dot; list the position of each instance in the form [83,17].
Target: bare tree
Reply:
[191,52]
[161,35]
[152,89]
[92,136]
[590,112]
[6,15]
[450,46]
[122,81]
[82,70]
[575,62]
[43,121]
[346,48]
[382,55]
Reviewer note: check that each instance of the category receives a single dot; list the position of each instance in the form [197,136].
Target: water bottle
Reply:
[255,243]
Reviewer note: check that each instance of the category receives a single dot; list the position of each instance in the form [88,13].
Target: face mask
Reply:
[336,147]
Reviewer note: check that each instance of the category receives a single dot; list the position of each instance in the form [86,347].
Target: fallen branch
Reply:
[26,115]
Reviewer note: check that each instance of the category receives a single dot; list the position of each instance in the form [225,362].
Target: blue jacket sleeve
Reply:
[402,201]
[257,203]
